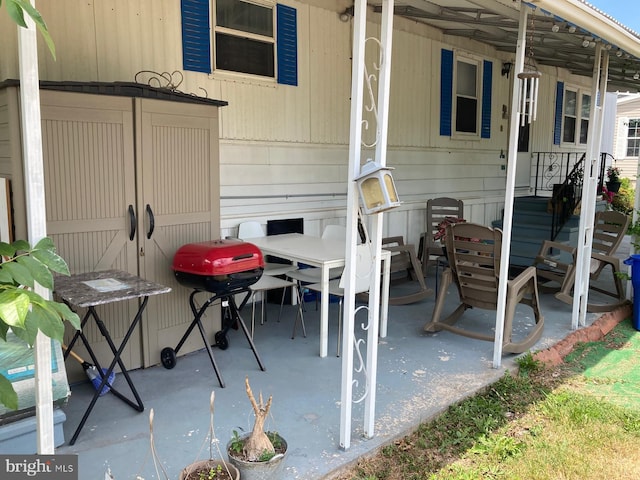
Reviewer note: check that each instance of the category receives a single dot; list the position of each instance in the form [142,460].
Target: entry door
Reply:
[178,195]
[523,167]
[89,189]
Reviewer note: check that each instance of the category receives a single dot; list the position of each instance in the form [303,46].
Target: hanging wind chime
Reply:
[529,84]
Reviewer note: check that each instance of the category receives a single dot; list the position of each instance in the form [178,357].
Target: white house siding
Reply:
[628,108]
[284,149]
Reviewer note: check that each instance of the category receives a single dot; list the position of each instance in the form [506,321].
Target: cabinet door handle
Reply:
[152,223]
[132,223]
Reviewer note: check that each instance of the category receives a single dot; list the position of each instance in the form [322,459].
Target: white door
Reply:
[89,191]
[523,167]
[179,203]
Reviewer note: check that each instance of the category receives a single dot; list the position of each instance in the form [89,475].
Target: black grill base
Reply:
[230,317]
[219,284]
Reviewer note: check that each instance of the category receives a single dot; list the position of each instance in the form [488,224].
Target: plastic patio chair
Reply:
[474,266]
[556,263]
[263,285]
[253,229]
[313,274]
[364,270]
[437,210]
[404,261]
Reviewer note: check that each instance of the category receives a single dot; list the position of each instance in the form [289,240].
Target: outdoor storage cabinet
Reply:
[131,173]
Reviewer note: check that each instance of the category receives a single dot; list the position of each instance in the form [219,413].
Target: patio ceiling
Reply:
[555,41]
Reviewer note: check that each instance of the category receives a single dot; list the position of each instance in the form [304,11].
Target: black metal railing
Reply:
[566,197]
[552,168]
[562,174]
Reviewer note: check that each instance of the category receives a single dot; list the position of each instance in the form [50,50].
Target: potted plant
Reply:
[215,468]
[613,179]
[257,455]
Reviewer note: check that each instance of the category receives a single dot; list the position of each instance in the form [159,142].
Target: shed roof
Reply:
[122,89]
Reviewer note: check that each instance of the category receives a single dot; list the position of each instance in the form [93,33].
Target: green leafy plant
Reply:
[623,200]
[613,174]
[236,442]
[16,10]
[276,440]
[23,310]
[211,473]
[634,231]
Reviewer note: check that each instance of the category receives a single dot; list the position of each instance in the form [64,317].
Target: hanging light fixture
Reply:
[529,84]
[376,187]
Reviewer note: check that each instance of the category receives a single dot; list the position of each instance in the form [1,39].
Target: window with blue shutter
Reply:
[446,91]
[557,124]
[196,36]
[243,39]
[462,97]
[487,78]
[287,47]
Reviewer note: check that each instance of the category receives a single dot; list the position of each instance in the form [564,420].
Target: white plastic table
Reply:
[325,254]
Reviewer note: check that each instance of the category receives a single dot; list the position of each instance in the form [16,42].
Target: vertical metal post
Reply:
[591,171]
[355,141]
[36,216]
[514,126]
[386,36]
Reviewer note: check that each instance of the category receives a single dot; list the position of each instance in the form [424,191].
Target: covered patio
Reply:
[419,375]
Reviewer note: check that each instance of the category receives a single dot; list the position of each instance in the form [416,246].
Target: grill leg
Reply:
[236,314]
[196,321]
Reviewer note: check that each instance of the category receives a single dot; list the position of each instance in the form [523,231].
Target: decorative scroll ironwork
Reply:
[170,81]
[166,80]
[360,367]
[370,79]
[552,171]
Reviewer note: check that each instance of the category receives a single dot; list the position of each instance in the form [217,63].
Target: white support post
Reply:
[355,141]
[386,36]
[590,185]
[514,125]
[36,217]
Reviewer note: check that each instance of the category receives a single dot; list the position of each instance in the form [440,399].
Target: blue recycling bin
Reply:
[634,261]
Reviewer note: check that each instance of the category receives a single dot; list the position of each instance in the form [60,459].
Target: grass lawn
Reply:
[580,420]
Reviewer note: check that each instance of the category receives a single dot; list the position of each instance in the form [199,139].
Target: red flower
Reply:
[441,234]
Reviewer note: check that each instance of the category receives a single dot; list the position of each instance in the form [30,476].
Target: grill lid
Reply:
[217,257]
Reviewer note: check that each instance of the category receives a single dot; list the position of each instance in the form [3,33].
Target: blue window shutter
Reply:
[487,77]
[557,125]
[287,38]
[196,40]
[446,92]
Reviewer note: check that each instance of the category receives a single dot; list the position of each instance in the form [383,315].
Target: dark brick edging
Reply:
[554,355]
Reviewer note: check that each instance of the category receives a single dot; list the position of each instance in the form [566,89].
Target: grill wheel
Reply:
[168,358]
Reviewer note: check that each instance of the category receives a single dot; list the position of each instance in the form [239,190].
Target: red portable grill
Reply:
[224,268]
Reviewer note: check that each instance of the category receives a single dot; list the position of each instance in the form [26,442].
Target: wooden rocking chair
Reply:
[556,262]
[474,265]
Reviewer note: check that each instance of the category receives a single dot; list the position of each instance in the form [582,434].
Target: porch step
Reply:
[531,226]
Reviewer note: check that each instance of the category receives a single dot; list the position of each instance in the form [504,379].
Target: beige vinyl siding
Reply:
[284,149]
[626,109]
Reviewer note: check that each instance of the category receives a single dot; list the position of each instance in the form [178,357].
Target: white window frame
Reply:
[271,4]
[472,60]
[577,116]
[628,138]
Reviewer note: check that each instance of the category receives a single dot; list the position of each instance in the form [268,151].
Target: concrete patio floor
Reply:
[419,375]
